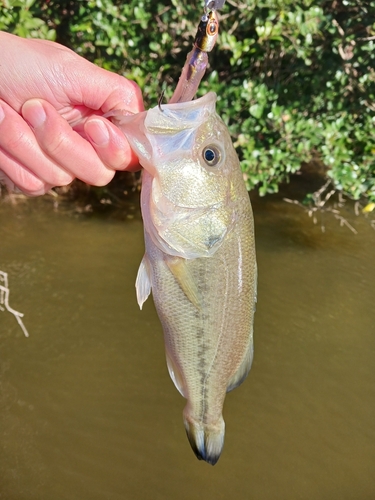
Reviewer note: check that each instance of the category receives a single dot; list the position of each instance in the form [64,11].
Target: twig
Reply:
[4,301]
[320,198]
[344,222]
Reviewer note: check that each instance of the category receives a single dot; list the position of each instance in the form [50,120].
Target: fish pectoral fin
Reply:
[143,282]
[175,375]
[243,369]
[180,270]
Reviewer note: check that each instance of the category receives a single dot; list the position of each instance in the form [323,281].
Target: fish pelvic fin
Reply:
[206,440]
[180,270]
[143,282]
[243,369]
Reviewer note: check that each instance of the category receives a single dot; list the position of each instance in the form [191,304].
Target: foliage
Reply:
[295,79]
[19,17]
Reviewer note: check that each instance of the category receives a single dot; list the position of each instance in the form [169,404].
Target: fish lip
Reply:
[207,99]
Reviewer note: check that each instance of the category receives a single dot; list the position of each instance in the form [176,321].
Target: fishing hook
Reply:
[212,5]
[161,100]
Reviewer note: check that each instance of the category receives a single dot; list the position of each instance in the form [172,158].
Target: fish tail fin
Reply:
[206,440]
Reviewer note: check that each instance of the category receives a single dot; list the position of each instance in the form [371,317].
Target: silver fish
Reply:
[200,257]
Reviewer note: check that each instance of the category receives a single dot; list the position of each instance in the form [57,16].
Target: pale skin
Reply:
[52,128]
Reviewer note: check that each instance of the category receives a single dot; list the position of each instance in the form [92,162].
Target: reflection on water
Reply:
[87,410]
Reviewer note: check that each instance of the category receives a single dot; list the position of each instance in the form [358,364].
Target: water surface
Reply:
[87,409]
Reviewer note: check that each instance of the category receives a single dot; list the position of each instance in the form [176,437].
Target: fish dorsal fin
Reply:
[176,376]
[243,369]
[180,270]
[143,282]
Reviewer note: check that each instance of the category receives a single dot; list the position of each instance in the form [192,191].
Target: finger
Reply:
[5,181]
[21,157]
[110,144]
[18,179]
[125,94]
[63,145]
[15,176]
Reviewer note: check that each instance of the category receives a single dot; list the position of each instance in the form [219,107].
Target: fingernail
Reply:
[97,132]
[33,112]
[2,114]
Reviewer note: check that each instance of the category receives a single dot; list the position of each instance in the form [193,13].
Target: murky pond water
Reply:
[87,409]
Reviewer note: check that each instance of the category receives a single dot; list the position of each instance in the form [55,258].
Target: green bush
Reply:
[295,79]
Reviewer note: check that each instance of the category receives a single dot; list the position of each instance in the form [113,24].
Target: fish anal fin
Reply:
[243,369]
[175,375]
[143,282]
[180,270]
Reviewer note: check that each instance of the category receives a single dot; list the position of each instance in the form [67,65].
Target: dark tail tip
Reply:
[206,440]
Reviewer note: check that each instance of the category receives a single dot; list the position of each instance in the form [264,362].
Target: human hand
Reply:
[52,129]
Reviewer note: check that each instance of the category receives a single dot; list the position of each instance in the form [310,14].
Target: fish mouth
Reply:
[206,440]
[208,99]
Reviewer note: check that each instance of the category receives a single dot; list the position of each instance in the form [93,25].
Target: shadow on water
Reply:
[87,407]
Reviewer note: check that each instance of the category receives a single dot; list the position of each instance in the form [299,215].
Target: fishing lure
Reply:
[197,59]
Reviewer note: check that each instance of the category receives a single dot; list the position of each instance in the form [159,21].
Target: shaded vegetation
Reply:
[295,79]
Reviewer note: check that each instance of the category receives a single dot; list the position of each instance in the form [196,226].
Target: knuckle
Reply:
[133,99]
[137,96]
[57,146]
[135,89]
[16,141]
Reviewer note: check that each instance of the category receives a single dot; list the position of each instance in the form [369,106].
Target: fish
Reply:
[199,261]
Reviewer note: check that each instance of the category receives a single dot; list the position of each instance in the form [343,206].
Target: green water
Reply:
[87,409]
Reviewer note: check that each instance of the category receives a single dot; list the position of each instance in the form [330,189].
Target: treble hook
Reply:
[211,5]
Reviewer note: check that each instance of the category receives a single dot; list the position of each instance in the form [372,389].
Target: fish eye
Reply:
[211,155]
[212,28]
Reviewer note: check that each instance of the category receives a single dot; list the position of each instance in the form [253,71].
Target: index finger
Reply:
[65,147]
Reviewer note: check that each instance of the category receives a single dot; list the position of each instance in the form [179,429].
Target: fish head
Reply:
[187,151]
